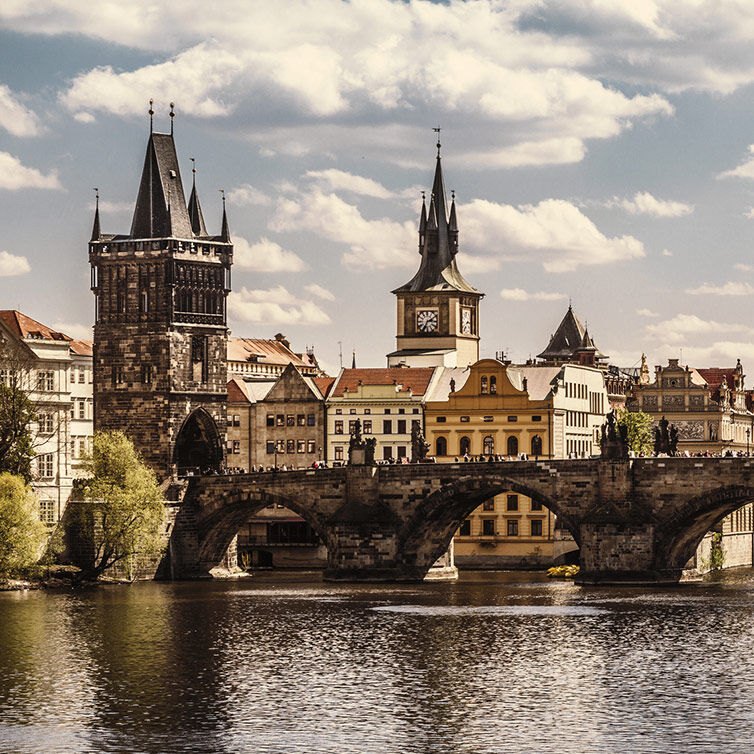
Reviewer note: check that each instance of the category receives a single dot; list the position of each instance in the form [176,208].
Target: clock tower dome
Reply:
[438,311]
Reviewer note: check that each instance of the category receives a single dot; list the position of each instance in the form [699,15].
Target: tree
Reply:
[639,430]
[22,534]
[122,511]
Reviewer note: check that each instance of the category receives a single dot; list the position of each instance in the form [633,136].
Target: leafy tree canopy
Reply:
[22,534]
[639,430]
[17,412]
[125,501]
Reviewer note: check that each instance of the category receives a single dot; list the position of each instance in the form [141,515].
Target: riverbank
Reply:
[55,577]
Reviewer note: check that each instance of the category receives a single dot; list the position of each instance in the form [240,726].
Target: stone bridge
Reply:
[636,520]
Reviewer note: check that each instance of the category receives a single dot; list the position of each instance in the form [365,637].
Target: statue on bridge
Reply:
[666,438]
[419,446]
[360,450]
[614,442]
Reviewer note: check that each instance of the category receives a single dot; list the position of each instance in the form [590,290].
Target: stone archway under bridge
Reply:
[198,445]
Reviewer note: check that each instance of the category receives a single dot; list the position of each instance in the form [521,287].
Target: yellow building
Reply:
[495,409]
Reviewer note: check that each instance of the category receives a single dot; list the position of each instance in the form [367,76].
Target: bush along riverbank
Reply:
[41,577]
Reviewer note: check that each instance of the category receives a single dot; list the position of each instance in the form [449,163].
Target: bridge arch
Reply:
[221,520]
[679,537]
[427,534]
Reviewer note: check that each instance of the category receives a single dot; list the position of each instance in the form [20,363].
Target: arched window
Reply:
[512,445]
[493,385]
[441,446]
[483,391]
[488,445]
[464,446]
[536,445]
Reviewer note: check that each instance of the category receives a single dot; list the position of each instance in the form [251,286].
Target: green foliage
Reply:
[638,429]
[125,507]
[716,558]
[17,412]
[22,534]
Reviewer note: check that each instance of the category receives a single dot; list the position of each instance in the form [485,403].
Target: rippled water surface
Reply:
[488,664]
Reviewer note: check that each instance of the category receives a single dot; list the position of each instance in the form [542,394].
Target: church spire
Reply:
[225,232]
[95,227]
[194,208]
[438,241]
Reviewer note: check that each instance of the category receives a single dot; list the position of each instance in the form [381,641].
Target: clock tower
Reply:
[438,311]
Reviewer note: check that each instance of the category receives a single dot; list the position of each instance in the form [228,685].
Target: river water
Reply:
[492,663]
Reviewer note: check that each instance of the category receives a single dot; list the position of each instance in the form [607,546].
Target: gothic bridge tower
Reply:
[160,333]
[438,311]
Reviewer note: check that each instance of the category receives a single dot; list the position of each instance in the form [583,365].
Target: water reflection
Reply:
[483,665]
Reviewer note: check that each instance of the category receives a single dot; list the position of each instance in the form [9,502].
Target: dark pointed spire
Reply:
[95,227]
[353,359]
[438,242]
[224,232]
[194,208]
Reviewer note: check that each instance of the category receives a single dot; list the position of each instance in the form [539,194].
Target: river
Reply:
[492,663]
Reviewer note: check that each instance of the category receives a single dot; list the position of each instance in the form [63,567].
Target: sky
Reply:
[601,152]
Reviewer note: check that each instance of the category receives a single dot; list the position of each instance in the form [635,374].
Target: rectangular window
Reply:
[82,409]
[489,418]
[236,420]
[270,420]
[465,530]
[367,410]
[512,418]
[280,420]
[200,358]
[535,506]
[338,410]
[387,427]
[401,410]
[387,453]
[512,528]
[415,411]
[270,446]
[488,527]
[488,505]
[290,420]
[401,426]
[46,424]
[311,446]
[338,427]
[465,419]
[280,446]
[441,420]
[352,426]
[236,446]
[536,418]
[301,420]
[311,420]
[82,447]
[290,446]
[45,380]
[401,451]
[46,466]
[367,426]
[536,528]
[512,502]
[338,452]
[117,375]
[47,511]
[82,376]
[301,446]
[146,373]
[352,411]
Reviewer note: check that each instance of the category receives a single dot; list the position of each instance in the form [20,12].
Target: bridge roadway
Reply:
[636,521]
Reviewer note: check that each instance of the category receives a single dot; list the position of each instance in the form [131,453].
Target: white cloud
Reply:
[744,267]
[749,213]
[643,203]
[690,327]
[15,117]
[339,180]
[727,289]
[74,330]
[744,170]
[554,151]
[554,232]
[265,256]
[274,306]
[320,292]
[519,294]
[246,195]
[471,263]
[14,175]
[113,208]
[667,253]
[11,265]
[373,244]
[646,313]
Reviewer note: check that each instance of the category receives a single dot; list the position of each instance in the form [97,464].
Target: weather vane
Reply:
[151,114]
[437,131]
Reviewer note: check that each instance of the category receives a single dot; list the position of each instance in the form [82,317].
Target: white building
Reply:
[56,372]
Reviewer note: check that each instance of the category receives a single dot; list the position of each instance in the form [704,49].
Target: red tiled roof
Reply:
[324,384]
[415,379]
[714,377]
[82,347]
[235,393]
[26,327]
[266,351]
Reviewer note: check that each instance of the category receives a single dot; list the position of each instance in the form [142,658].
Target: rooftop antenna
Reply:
[151,114]
[437,131]
[172,115]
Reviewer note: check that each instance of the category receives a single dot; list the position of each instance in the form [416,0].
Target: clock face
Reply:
[466,321]
[426,320]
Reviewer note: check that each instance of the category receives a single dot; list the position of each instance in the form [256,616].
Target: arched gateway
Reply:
[198,445]
[635,520]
